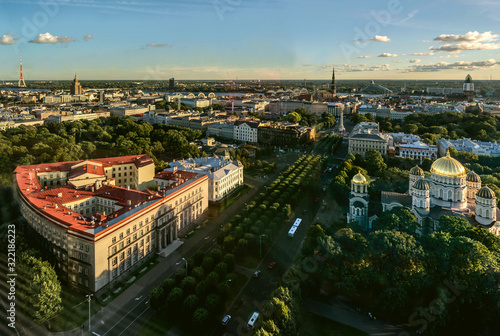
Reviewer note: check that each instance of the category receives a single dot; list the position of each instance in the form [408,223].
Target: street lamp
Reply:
[260,241]
[89,296]
[186,266]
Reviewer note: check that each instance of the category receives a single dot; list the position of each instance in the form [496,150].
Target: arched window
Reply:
[480,212]
[487,215]
[450,195]
[421,203]
[441,193]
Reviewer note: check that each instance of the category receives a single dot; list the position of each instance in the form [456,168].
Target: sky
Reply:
[249,39]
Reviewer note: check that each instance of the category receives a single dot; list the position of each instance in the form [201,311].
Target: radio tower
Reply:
[21,78]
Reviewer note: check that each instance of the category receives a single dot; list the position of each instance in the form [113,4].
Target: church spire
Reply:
[333,86]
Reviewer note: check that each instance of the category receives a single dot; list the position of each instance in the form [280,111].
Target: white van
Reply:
[253,319]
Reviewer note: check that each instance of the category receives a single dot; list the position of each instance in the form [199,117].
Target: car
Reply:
[226,319]
[256,274]
[272,265]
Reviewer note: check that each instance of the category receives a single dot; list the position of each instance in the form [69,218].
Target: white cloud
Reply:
[415,60]
[363,68]
[459,47]
[423,54]
[158,45]
[88,37]
[397,61]
[48,38]
[8,39]
[468,37]
[379,38]
[365,56]
[387,55]
[461,65]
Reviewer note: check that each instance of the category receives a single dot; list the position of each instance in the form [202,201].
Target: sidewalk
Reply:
[344,314]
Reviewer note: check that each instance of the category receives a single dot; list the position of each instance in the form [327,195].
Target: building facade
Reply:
[224,175]
[448,191]
[96,233]
[365,137]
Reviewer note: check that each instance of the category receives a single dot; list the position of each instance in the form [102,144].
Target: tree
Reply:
[293,117]
[399,218]
[212,302]
[191,302]
[374,162]
[200,318]
[175,297]
[42,291]
[156,298]
[230,261]
[188,284]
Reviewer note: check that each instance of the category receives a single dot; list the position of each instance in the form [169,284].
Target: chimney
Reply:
[129,202]
[128,187]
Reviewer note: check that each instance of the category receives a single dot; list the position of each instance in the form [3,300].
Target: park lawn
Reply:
[234,196]
[75,311]
[250,261]
[235,287]
[314,325]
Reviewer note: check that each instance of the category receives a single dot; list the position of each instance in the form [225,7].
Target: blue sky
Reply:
[250,39]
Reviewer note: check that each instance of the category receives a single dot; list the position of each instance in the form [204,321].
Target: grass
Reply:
[75,311]
[234,197]
[235,287]
[75,305]
[314,325]
[250,261]
[156,325]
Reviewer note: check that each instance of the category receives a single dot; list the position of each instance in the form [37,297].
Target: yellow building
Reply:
[92,223]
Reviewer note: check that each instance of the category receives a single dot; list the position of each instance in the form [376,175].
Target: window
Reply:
[113,250]
[86,271]
[121,235]
[113,240]
[86,248]
[113,262]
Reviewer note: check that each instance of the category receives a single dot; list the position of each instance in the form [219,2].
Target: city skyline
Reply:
[228,40]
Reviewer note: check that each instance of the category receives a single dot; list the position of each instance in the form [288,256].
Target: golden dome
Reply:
[485,192]
[417,171]
[448,166]
[359,178]
[473,177]
[421,184]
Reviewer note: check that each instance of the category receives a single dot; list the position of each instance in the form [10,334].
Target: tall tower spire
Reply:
[21,77]
[333,86]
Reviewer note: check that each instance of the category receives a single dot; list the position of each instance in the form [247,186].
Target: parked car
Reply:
[272,265]
[256,274]
[226,319]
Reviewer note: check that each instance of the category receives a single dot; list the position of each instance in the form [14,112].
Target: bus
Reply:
[253,319]
[294,227]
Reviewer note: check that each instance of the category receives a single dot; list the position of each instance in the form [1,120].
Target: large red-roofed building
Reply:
[97,221]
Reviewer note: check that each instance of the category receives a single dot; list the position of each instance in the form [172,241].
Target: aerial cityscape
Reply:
[268,168]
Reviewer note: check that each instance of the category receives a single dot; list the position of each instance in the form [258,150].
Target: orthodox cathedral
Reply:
[449,191]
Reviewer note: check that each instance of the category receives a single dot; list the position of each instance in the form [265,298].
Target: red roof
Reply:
[175,176]
[87,168]
[50,202]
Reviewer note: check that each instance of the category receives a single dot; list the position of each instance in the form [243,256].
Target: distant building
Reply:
[76,87]
[171,83]
[358,201]
[376,89]
[224,176]
[247,130]
[468,145]
[365,137]
[225,131]
[469,88]
[282,134]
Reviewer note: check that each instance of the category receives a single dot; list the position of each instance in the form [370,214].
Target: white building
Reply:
[223,175]
[246,130]
[468,145]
